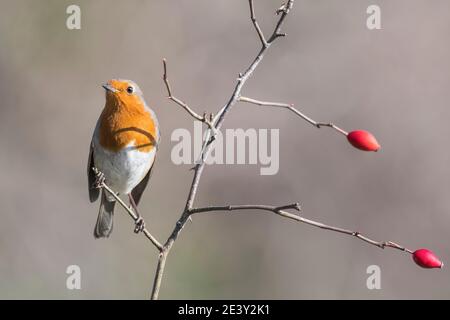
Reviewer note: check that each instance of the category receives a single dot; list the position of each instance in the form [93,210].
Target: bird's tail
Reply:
[104,225]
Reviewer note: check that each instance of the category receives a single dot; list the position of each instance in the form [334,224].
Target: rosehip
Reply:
[426,259]
[363,140]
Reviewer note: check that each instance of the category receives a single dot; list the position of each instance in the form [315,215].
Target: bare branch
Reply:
[285,214]
[102,185]
[283,11]
[198,171]
[257,27]
[205,118]
[294,110]
[295,206]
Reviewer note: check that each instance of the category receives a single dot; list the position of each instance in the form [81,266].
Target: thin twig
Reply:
[283,11]
[205,118]
[294,110]
[255,23]
[102,185]
[285,214]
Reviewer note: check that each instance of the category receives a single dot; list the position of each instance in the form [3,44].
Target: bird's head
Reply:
[123,92]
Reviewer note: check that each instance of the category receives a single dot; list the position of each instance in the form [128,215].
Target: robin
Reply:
[123,149]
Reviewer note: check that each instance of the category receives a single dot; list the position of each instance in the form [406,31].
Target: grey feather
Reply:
[93,192]
[104,225]
[137,192]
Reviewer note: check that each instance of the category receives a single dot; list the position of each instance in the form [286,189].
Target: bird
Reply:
[123,150]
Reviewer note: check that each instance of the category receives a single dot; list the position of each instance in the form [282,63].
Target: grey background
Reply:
[393,82]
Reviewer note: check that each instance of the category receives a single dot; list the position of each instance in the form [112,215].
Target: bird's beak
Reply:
[109,87]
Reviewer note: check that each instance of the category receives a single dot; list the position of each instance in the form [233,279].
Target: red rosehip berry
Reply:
[363,140]
[426,259]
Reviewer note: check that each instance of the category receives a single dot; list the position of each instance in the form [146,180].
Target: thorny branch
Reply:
[281,211]
[214,124]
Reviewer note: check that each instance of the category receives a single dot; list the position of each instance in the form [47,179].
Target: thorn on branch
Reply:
[284,8]
[295,206]
[281,9]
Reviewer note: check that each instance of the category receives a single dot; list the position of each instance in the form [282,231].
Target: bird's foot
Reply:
[139,225]
[99,178]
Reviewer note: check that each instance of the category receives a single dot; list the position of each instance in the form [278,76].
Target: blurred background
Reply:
[392,82]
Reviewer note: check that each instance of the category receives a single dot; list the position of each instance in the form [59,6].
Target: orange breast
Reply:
[122,122]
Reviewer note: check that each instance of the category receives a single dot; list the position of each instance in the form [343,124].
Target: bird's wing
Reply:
[93,191]
[137,192]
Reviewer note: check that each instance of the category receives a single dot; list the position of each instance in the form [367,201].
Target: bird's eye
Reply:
[130,90]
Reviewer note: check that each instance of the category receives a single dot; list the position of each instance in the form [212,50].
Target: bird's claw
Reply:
[139,225]
[99,178]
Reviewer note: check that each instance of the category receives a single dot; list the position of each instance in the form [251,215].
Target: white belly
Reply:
[123,170]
